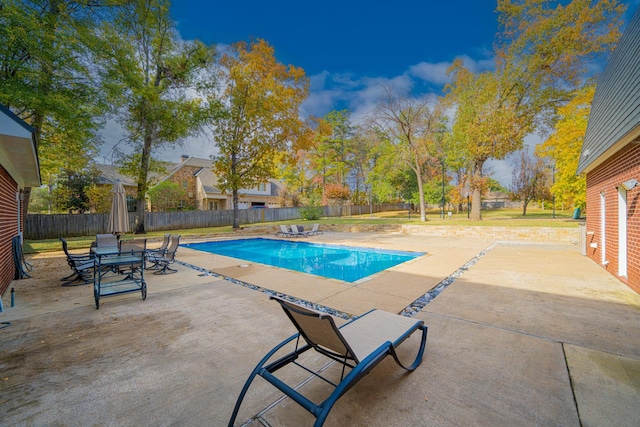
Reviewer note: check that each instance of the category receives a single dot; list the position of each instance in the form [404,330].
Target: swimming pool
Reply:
[335,262]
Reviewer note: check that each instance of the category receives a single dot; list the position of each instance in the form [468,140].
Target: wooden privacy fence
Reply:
[43,226]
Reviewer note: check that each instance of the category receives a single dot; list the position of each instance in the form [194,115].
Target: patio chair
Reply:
[135,246]
[161,262]
[106,241]
[284,231]
[358,345]
[82,266]
[163,247]
[298,231]
[315,230]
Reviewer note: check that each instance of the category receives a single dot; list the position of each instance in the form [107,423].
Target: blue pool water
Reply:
[336,262]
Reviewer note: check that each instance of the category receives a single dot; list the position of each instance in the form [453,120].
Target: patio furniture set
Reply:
[117,266]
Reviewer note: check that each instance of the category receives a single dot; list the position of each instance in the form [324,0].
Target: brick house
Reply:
[19,172]
[610,158]
[195,177]
[199,183]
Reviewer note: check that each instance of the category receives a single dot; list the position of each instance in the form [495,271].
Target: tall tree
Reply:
[529,180]
[149,73]
[333,153]
[410,125]
[563,147]
[260,118]
[363,161]
[72,189]
[47,79]
[542,54]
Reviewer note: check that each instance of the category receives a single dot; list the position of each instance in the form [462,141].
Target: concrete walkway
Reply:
[528,335]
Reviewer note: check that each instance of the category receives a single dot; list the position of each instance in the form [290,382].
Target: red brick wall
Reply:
[623,166]
[8,227]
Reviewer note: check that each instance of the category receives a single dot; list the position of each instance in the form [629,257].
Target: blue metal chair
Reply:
[161,261]
[358,345]
[82,266]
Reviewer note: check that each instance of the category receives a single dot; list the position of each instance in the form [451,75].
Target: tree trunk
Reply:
[423,215]
[236,213]
[476,202]
[524,208]
[145,161]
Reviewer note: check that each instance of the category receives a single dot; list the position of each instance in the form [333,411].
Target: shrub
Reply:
[311,213]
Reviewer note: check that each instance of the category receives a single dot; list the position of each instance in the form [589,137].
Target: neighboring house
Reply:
[109,175]
[199,183]
[19,172]
[610,159]
[195,177]
[499,200]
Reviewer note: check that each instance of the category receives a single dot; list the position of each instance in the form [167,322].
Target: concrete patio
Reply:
[531,334]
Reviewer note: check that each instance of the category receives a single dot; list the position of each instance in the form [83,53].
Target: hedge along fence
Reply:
[43,226]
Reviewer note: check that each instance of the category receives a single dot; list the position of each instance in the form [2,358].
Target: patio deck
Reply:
[529,335]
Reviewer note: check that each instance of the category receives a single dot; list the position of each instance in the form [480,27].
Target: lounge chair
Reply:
[162,262]
[314,230]
[298,231]
[82,266]
[284,231]
[359,345]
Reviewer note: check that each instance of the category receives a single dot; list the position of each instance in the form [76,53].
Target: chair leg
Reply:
[81,275]
[69,277]
[164,268]
[259,367]
[418,359]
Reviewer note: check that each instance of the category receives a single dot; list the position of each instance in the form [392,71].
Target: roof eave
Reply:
[632,137]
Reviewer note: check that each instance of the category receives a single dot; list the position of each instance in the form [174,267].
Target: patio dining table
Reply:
[118,272]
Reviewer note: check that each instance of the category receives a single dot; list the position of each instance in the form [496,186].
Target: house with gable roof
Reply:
[196,177]
[610,158]
[200,185]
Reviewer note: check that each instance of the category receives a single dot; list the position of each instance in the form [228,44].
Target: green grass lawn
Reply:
[491,218]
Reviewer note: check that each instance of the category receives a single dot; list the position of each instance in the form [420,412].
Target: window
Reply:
[262,187]
[185,183]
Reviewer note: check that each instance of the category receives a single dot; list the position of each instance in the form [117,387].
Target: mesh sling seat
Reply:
[107,240]
[158,252]
[359,345]
[82,266]
[161,261]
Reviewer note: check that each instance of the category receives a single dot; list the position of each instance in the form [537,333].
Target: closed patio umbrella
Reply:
[118,217]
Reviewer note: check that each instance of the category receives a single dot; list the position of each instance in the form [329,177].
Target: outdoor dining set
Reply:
[117,266]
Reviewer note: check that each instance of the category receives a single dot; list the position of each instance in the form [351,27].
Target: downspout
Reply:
[19,197]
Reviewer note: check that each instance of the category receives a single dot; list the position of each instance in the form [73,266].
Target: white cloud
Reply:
[478,66]
[432,73]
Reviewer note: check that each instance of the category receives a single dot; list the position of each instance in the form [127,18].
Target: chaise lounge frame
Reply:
[360,345]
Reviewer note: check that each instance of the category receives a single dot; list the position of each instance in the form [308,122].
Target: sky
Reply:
[352,49]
